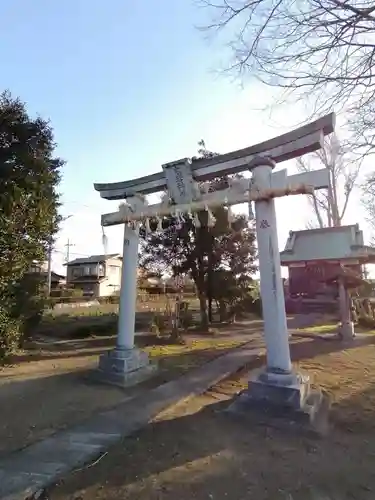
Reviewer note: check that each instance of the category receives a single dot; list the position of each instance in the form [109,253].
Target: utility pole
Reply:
[49,267]
[49,262]
[68,245]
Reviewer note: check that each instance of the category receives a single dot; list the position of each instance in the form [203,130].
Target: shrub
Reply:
[111,299]
[363,312]
[186,319]
[248,305]
[82,331]
[21,311]
[29,302]
[10,334]
[70,300]
[74,292]
[366,321]
[159,324]
[185,316]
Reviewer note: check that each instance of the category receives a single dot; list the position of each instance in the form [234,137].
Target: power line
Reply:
[70,253]
[80,205]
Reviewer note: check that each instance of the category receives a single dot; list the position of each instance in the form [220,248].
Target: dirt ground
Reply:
[195,451]
[48,389]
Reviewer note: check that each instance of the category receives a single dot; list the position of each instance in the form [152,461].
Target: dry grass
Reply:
[348,376]
[178,359]
[196,452]
[332,327]
[320,329]
[83,321]
[72,311]
[148,302]
[193,346]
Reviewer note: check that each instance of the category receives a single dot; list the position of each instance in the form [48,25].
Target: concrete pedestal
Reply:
[288,390]
[283,400]
[124,367]
[346,330]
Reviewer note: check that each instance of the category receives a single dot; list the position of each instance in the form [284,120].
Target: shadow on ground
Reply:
[34,404]
[43,347]
[206,453]
[92,344]
[356,414]
[316,346]
[95,346]
[201,452]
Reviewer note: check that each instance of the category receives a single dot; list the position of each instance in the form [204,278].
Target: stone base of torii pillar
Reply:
[276,390]
[124,367]
[346,328]
[126,364]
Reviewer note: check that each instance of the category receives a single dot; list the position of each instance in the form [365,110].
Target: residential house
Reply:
[57,280]
[96,276]
[38,267]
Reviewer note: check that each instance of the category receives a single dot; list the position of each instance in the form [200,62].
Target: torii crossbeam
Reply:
[306,139]
[126,364]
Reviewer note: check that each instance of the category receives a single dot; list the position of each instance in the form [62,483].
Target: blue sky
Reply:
[127,86]
[119,80]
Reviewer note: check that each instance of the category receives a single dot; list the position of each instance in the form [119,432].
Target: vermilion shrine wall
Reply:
[309,280]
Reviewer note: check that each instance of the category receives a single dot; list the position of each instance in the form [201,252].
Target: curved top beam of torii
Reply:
[298,142]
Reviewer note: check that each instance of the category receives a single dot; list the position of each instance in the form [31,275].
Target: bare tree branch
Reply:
[368,201]
[321,50]
[329,207]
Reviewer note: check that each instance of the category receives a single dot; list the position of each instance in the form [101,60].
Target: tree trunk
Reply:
[210,275]
[203,310]
[335,211]
[317,212]
[223,313]
[209,290]
[198,278]
[209,286]
[210,315]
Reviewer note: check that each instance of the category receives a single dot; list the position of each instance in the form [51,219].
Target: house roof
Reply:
[54,276]
[93,259]
[329,243]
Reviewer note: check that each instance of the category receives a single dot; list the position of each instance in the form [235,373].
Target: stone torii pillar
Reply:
[271,285]
[126,365]
[128,296]
[277,385]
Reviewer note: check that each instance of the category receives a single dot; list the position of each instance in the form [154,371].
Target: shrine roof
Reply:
[329,243]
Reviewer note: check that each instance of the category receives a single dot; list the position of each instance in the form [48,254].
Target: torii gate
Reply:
[126,364]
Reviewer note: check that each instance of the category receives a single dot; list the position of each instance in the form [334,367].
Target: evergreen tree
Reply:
[29,176]
[219,259]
